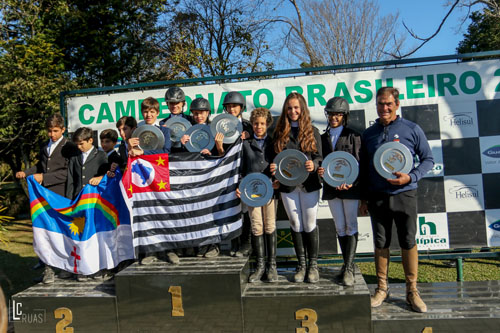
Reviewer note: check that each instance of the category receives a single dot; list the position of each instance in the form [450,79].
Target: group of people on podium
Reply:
[65,167]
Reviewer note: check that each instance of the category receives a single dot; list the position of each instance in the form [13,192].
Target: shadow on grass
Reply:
[16,273]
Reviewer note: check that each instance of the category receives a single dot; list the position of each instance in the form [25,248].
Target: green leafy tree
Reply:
[31,77]
[483,34]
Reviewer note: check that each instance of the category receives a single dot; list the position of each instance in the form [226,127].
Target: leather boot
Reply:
[271,243]
[258,244]
[410,266]
[300,252]
[312,251]
[351,244]
[342,242]
[245,238]
[382,258]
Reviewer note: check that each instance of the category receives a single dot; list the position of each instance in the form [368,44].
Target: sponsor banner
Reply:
[365,235]
[437,152]
[490,154]
[432,232]
[453,84]
[493,227]
[463,193]
[458,120]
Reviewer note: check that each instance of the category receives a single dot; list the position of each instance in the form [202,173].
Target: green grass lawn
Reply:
[17,259]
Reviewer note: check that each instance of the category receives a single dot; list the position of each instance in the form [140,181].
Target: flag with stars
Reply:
[183,200]
[84,235]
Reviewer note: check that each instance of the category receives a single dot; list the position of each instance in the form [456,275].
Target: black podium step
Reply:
[326,306]
[198,295]
[452,307]
[85,306]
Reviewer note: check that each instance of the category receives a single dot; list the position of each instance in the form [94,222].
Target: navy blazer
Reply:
[54,167]
[256,159]
[79,175]
[313,182]
[348,141]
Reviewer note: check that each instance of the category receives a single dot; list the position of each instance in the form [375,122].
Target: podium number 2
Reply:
[66,317]
[177,309]
[309,318]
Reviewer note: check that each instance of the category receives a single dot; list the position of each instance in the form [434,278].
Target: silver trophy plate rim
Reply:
[301,174]
[196,128]
[332,158]
[172,121]
[154,130]
[381,152]
[234,120]
[247,181]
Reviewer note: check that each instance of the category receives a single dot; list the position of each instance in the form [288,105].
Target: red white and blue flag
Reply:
[183,200]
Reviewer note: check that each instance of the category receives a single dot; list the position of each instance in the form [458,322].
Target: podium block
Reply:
[197,295]
[325,306]
[85,307]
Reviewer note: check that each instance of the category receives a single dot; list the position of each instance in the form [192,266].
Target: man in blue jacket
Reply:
[394,200]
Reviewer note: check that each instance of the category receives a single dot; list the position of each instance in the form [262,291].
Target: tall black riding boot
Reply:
[300,252]
[271,243]
[245,238]
[342,242]
[258,244]
[352,242]
[312,251]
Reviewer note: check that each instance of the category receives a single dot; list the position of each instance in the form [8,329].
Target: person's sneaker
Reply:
[65,275]
[148,260]
[213,251]
[48,275]
[172,257]
[83,278]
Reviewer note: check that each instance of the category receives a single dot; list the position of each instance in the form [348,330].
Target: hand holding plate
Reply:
[238,193]
[309,166]
[401,178]
[184,139]
[344,187]
[321,171]
[272,168]
[133,142]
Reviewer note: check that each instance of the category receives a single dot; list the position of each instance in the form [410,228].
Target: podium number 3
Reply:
[309,318]
[177,309]
[66,317]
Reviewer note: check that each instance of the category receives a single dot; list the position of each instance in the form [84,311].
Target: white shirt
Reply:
[52,145]
[86,154]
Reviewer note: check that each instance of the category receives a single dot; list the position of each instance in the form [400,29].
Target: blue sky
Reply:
[423,17]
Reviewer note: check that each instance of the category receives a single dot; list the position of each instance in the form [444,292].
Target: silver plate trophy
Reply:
[392,157]
[256,189]
[290,168]
[340,167]
[200,137]
[178,126]
[228,125]
[150,137]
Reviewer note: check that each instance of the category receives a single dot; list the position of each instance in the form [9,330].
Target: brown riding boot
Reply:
[410,266]
[382,257]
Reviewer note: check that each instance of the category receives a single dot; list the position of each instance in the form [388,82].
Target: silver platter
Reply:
[340,168]
[178,126]
[290,167]
[256,189]
[392,157]
[150,137]
[200,137]
[228,125]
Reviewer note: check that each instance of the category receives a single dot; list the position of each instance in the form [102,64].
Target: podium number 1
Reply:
[309,318]
[177,309]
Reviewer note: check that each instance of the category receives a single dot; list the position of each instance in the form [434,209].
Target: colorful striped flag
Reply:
[85,235]
[195,205]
